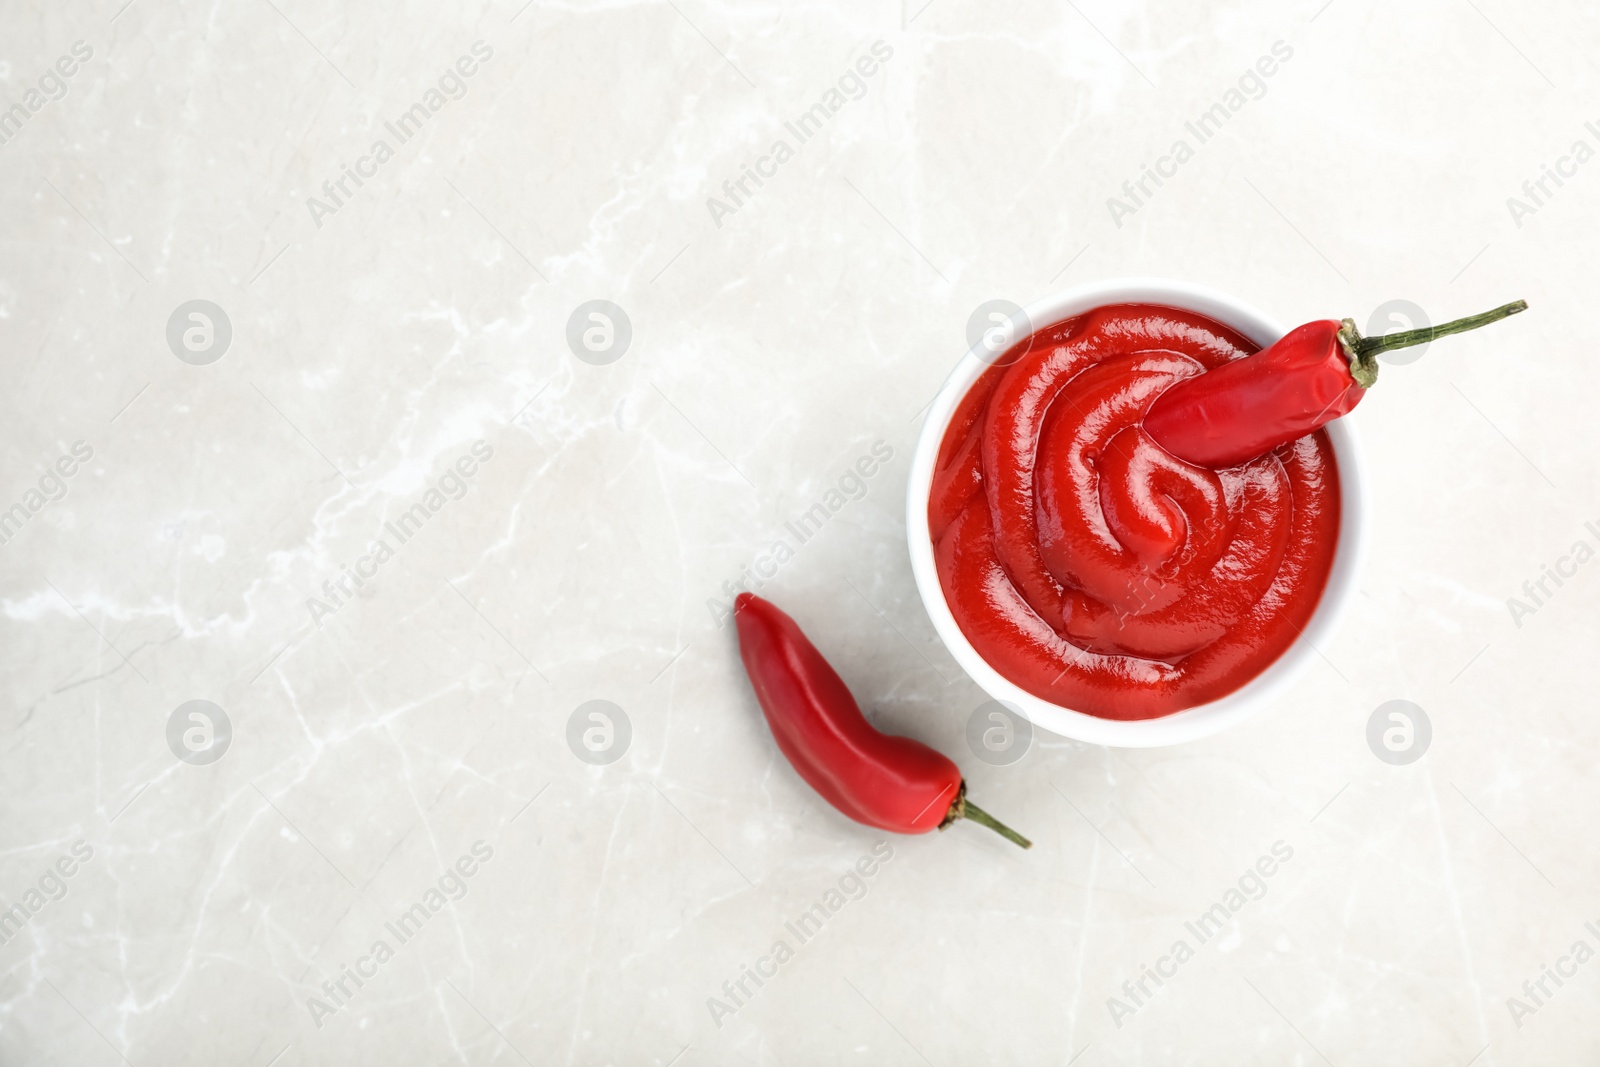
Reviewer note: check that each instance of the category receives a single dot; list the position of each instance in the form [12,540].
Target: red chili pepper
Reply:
[1313,375]
[893,783]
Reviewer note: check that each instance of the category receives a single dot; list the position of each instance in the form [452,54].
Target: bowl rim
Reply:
[1203,720]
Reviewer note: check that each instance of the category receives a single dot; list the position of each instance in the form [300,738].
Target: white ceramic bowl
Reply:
[1204,719]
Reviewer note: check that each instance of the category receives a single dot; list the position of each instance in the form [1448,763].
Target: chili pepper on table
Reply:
[893,783]
[1314,374]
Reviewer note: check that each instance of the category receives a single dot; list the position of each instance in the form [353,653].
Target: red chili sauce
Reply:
[1091,567]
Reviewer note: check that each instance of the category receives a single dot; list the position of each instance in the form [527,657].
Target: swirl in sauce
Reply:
[1091,567]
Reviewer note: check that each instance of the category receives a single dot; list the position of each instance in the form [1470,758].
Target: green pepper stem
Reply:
[1362,352]
[971,811]
[1406,338]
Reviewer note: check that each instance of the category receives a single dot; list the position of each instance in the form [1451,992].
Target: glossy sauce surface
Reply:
[1088,565]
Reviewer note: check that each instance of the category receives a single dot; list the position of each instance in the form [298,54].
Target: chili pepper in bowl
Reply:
[892,783]
[1314,374]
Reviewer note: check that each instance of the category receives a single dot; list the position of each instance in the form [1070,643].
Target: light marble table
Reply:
[395,215]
